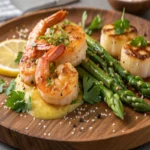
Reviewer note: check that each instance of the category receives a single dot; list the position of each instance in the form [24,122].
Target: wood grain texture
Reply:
[70,133]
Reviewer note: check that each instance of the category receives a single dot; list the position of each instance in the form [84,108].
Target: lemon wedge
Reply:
[9,50]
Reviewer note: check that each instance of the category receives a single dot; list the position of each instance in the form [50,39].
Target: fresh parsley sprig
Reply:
[139,41]
[17,60]
[2,84]
[122,24]
[16,102]
[92,92]
[11,87]
[94,25]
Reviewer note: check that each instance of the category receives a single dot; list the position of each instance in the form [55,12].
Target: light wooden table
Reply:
[103,4]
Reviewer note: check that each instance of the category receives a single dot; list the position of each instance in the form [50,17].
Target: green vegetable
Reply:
[107,69]
[2,84]
[134,81]
[112,100]
[55,38]
[48,82]
[139,41]
[11,87]
[17,60]
[121,25]
[94,25]
[84,17]
[16,102]
[126,96]
[92,93]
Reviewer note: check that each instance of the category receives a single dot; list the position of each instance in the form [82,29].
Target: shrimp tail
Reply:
[55,18]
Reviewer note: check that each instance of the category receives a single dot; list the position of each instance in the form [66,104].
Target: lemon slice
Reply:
[9,50]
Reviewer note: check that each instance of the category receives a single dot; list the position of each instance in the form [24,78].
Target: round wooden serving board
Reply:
[25,132]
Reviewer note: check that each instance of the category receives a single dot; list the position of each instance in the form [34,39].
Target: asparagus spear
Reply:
[134,81]
[111,99]
[126,96]
[107,69]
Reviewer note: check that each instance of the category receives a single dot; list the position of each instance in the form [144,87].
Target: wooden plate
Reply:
[25,132]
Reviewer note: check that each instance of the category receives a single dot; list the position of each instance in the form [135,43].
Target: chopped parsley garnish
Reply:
[52,67]
[139,41]
[48,82]
[16,102]
[122,24]
[17,60]
[94,25]
[56,38]
[11,87]
[92,92]
[2,84]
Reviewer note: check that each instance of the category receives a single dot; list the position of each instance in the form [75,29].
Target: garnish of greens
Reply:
[94,25]
[92,93]
[11,87]
[48,82]
[111,99]
[17,60]
[2,84]
[55,38]
[16,102]
[139,41]
[122,24]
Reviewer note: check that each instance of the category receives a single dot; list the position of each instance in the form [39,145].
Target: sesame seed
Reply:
[42,121]
[60,122]
[20,115]
[93,120]
[26,128]
[69,122]
[90,128]
[105,110]
[72,132]
[82,128]
[49,134]
[39,123]
[136,117]
[113,124]
[145,114]
[33,118]
[25,116]
[96,107]
[44,126]
[114,131]
[44,133]
[122,131]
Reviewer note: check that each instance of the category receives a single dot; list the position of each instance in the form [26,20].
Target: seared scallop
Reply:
[113,42]
[136,60]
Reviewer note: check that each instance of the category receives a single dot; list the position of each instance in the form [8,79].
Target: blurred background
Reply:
[13,8]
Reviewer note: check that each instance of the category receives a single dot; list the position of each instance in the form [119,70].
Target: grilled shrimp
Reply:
[58,87]
[35,48]
[75,51]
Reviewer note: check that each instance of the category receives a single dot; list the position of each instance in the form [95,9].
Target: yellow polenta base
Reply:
[41,109]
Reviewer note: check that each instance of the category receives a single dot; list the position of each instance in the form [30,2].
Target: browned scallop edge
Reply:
[128,49]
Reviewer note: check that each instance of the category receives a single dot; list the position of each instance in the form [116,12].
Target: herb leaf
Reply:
[92,92]
[11,87]
[139,41]
[17,60]
[16,101]
[2,84]
[84,17]
[48,82]
[95,25]
[121,25]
